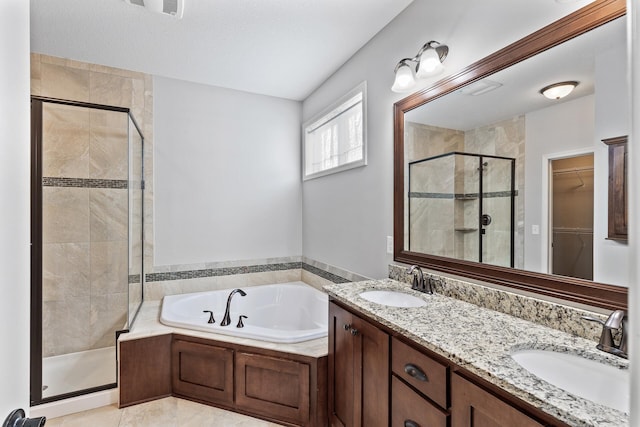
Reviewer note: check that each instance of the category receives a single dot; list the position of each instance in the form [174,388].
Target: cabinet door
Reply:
[358,371]
[203,372]
[472,406]
[277,388]
[341,368]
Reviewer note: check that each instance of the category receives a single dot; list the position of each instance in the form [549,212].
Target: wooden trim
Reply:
[577,290]
[617,199]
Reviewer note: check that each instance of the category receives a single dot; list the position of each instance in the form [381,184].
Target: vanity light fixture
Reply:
[173,8]
[428,63]
[558,90]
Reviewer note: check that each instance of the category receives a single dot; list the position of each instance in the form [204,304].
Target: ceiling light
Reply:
[428,63]
[558,90]
[174,8]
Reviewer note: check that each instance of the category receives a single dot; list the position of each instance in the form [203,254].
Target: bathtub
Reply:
[283,313]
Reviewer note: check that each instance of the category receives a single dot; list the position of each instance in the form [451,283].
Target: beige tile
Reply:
[65,271]
[108,315]
[110,89]
[161,412]
[36,75]
[65,215]
[65,326]
[106,416]
[65,141]
[108,214]
[109,267]
[108,145]
[59,81]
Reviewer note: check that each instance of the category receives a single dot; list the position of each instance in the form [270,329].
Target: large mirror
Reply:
[497,182]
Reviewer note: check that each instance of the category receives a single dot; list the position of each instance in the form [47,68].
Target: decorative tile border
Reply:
[230,271]
[324,274]
[554,315]
[460,196]
[85,183]
[134,278]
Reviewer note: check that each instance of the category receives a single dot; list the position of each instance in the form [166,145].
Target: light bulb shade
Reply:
[429,64]
[405,80]
[558,90]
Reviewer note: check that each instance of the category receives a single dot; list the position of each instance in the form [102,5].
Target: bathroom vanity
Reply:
[447,363]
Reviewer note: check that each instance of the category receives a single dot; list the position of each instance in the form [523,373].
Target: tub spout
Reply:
[227,315]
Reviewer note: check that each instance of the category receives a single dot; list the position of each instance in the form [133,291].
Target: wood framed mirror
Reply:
[604,295]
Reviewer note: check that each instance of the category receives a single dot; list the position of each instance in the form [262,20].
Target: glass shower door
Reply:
[496,216]
[86,240]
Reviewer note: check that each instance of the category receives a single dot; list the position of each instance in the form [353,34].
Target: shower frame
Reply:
[512,190]
[36,231]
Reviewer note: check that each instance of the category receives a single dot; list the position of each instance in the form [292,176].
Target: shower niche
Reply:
[87,274]
[462,206]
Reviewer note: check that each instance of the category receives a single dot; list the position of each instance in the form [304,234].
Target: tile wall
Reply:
[85,199]
[438,188]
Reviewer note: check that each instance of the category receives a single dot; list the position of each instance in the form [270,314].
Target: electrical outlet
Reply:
[389,244]
[535,229]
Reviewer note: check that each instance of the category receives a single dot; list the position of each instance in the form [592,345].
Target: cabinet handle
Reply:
[415,372]
[354,332]
[346,326]
[411,423]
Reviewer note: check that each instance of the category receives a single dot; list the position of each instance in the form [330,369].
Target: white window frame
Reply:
[361,88]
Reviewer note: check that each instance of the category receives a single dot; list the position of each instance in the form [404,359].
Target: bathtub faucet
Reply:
[227,316]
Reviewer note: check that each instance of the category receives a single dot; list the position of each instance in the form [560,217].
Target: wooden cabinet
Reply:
[472,406]
[378,378]
[618,193]
[286,388]
[274,387]
[358,371]
[201,371]
[419,386]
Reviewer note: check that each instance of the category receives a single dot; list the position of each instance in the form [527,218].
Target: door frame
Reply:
[546,226]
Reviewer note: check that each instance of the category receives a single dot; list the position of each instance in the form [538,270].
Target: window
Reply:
[335,140]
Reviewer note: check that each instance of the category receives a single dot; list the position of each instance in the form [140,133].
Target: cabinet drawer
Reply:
[422,372]
[409,409]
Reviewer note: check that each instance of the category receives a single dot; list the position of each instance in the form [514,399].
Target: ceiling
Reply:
[282,48]
[521,83]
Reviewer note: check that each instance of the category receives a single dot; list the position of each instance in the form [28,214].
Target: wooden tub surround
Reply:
[290,389]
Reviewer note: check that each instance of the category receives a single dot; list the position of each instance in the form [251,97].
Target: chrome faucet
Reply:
[419,284]
[616,320]
[227,316]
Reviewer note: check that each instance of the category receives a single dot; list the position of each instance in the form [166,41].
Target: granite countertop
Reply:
[147,324]
[481,341]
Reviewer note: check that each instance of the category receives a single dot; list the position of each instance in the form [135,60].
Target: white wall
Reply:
[226,174]
[562,129]
[611,120]
[347,216]
[14,200]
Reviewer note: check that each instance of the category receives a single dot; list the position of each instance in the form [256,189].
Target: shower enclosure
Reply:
[461,205]
[86,239]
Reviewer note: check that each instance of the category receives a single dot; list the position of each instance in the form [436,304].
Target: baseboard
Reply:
[75,404]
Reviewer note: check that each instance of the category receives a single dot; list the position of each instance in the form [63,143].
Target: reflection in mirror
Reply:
[486,150]
[495,104]
[461,205]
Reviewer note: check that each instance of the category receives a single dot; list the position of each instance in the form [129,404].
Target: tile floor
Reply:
[168,412]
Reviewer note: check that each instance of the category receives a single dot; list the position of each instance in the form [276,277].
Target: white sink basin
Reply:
[600,383]
[393,298]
